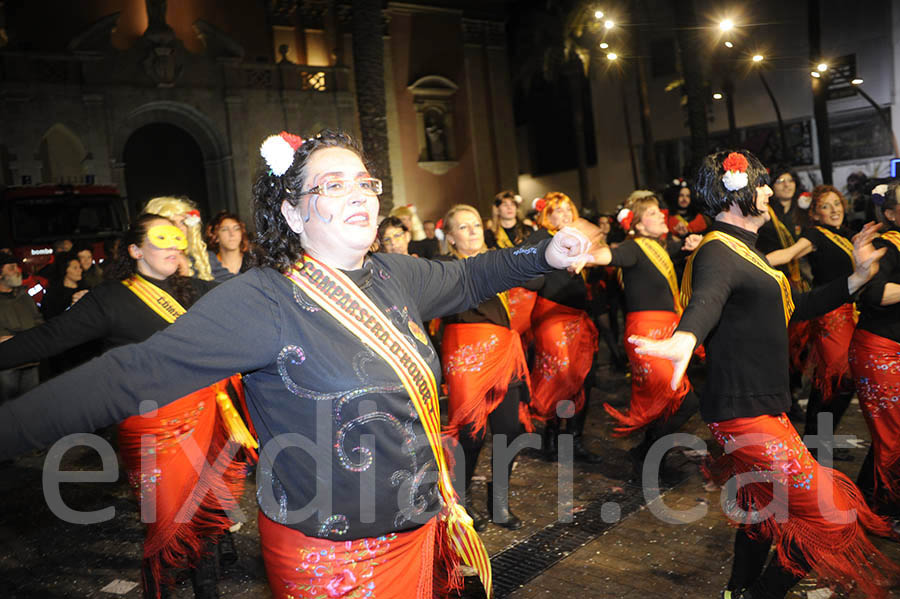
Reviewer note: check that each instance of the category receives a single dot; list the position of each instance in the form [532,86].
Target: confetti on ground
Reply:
[119,587]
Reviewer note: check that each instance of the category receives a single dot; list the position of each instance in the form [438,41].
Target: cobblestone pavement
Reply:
[615,546]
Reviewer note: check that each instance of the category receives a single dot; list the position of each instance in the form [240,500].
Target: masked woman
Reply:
[828,247]
[144,296]
[565,340]
[341,380]
[874,354]
[184,213]
[814,516]
[486,373]
[652,309]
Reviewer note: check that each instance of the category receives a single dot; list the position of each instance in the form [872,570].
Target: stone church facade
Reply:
[146,93]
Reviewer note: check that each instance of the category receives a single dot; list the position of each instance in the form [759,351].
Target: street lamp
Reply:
[598,14]
[609,24]
[758,58]
[729,45]
[604,45]
[822,67]
[726,25]
[612,56]
[717,96]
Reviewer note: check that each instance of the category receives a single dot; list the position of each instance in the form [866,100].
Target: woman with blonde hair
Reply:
[486,372]
[410,217]
[565,338]
[184,213]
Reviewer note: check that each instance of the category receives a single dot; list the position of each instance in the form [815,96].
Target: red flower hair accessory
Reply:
[625,217]
[192,218]
[735,176]
[538,204]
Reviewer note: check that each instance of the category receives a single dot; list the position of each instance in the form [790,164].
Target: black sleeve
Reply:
[85,321]
[820,300]
[711,284]
[625,255]
[234,328]
[873,292]
[673,248]
[440,288]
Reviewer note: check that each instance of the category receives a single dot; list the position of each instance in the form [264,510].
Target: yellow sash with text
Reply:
[741,249]
[838,240]
[663,263]
[168,308]
[342,299]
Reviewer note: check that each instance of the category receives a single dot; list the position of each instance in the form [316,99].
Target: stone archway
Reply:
[217,160]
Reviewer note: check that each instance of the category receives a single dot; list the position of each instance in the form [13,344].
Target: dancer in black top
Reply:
[740,306]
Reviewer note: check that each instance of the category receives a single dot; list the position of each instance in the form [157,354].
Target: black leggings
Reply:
[662,427]
[747,570]
[503,420]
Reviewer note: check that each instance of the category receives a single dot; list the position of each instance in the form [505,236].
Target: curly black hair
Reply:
[123,266]
[714,197]
[280,246]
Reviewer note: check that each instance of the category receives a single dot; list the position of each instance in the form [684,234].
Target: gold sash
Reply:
[892,237]
[786,239]
[503,239]
[741,249]
[168,308]
[342,299]
[838,240]
[663,263]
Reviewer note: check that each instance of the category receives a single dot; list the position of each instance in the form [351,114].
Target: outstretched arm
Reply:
[798,250]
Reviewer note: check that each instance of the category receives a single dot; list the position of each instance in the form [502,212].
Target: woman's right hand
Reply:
[677,349]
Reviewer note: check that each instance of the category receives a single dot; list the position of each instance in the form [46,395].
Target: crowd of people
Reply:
[318,348]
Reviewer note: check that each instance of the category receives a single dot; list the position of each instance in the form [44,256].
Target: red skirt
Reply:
[816,510]
[398,565]
[521,304]
[183,510]
[652,397]
[798,340]
[565,343]
[479,362]
[875,364]
[830,337]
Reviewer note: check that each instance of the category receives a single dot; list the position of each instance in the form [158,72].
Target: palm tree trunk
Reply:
[643,16]
[695,87]
[368,68]
[574,74]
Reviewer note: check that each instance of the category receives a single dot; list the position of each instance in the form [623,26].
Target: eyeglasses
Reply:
[341,188]
[783,180]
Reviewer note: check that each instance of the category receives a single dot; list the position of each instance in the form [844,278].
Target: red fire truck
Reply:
[32,217]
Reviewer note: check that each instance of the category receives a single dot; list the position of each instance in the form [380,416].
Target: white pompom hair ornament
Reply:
[278,151]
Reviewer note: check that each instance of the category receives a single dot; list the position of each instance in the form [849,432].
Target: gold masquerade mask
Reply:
[165,237]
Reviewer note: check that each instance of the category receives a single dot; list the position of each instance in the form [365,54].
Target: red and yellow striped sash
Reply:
[750,256]
[892,237]
[342,299]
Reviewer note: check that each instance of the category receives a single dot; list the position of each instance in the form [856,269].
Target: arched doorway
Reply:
[164,160]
